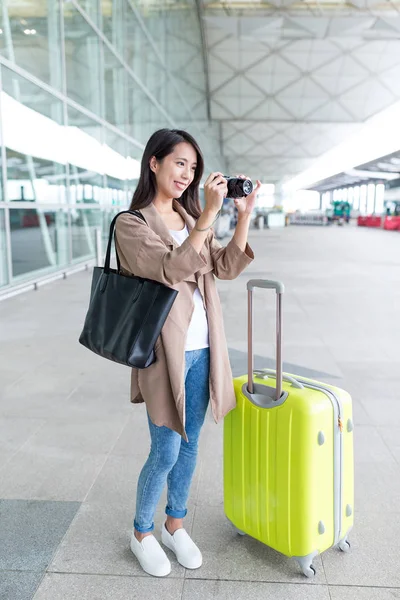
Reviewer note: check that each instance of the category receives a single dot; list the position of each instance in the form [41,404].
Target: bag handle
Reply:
[107,260]
[279,288]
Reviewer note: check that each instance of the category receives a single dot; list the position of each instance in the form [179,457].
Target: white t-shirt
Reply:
[197,336]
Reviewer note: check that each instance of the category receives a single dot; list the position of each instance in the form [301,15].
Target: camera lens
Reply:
[237,188]
[247,187]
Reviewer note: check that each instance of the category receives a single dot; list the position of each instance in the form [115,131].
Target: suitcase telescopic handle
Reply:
[279,288]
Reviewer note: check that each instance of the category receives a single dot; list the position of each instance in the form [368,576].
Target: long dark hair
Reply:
[160,144]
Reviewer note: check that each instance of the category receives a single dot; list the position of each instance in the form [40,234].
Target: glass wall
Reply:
[364,199]
[83,84]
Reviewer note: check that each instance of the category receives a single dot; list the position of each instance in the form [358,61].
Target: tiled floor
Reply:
[71,444]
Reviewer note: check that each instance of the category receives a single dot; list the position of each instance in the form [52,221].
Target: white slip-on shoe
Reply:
[151,556]
[186,551]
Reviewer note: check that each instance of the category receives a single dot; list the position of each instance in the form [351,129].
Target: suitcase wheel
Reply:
[344,545]
[307,568]
[310,572]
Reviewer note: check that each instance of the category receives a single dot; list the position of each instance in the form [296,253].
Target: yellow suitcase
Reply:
[288,457]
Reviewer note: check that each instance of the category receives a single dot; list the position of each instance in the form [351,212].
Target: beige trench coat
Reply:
[149,250]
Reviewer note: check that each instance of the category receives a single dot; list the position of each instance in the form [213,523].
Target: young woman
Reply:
[176,246]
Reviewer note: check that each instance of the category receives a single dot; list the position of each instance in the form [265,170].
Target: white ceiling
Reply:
[290,81]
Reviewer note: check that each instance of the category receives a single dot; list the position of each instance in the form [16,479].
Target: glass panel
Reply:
[184,52]
[91,7]
[116,192]
[107,215]
[34,179]
[1,172]
[35,164]
[156,24]
[118,167]
[82,58]
[116,142]
[86,162]
[115,90]
[123,169]
[134,172]
[28,94]
[3,251]
[78,119]
[38,239]
[169,64]
[31,38]
[114,17]
[143,117]
[84,223]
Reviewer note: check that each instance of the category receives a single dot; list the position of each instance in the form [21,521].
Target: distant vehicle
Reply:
[339,211]
[392,208]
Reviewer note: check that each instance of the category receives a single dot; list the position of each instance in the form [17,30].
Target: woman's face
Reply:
[175,172]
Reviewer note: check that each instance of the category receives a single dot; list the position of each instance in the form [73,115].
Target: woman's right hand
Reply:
[215,190]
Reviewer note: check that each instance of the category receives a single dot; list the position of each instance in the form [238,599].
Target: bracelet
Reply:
[207,228]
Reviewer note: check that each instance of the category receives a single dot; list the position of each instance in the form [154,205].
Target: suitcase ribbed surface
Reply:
[278,478]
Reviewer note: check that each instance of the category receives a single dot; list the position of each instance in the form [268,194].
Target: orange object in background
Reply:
[392,224]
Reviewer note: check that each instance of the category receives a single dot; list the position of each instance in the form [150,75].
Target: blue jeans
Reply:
[172,460]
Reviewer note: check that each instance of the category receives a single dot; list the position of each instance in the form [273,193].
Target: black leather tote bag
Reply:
[126,313]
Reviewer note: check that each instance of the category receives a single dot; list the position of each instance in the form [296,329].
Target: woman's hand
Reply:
[246,204]
[215,190]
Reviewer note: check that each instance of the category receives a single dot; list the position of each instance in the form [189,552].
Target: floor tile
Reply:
[240,590]
[16,431]
[370,388]
[49,474]
[117,480]
[30,532]
[36,405]
[19,585]
[92,399]
[377,487]
[98,542]
[134,439]
[369,446]
[95,587]
[363,593]
[210,489]
[89,436]
[390,435]
[360,416]
[382,371]
[374,556]
[383,412]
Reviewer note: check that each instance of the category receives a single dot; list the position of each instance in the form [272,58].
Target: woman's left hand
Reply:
[246,204]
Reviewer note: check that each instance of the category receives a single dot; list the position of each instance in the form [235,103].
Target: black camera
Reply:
[237,188]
